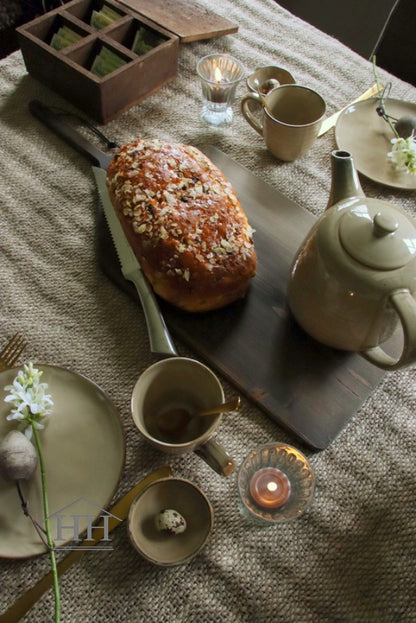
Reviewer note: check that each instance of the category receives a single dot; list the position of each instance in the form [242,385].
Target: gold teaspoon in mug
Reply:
[177,419]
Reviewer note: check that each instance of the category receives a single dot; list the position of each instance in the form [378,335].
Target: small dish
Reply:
[294,487]
[366,136]
[271,72]
[161,547]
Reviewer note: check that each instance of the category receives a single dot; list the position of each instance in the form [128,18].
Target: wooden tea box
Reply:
[106,56]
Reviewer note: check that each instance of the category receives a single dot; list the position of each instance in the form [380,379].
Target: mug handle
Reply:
[214,454]
[405,305]
[253,121]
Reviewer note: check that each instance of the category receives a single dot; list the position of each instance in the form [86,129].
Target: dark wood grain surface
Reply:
[189,20]
[308,388]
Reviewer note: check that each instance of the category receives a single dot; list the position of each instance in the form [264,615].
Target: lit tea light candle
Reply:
[220,75]
[219,93]
[269,487]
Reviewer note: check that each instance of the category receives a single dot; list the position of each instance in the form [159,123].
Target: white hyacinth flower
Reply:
[403,154]
[31,403]
[29,399]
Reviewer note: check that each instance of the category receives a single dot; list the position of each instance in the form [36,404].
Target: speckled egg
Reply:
[170,521]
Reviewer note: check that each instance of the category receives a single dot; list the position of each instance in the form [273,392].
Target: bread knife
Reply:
[118,512]
[159,336]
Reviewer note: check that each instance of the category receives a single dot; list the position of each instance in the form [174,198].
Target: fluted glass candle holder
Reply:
[220,75]
[275,484]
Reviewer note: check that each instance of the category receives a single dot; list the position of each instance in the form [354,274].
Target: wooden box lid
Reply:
[188,20]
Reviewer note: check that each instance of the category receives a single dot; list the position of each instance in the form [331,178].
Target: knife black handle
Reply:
[66,131]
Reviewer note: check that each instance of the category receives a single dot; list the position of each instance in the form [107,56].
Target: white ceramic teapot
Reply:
[354,276]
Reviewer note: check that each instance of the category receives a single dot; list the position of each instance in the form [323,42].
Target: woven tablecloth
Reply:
[350,558]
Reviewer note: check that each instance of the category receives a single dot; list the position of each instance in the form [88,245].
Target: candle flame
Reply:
[218,74]
[271,486]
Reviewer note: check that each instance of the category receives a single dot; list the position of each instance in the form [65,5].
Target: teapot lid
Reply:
[378,235]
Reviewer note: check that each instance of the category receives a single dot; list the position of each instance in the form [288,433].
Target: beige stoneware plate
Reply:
[367,136]
[84,449]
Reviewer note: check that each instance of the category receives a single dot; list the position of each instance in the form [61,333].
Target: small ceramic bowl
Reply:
[162,547]
[263,74]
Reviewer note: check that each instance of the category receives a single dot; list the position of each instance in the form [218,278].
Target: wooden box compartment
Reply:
[83,9]
[73,70]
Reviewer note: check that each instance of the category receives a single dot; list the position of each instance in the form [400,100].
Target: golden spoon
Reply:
[176,419]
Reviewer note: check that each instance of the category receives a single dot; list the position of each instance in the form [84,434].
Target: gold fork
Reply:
[12,351]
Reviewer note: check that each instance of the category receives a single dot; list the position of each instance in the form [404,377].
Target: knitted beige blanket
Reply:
[350,558]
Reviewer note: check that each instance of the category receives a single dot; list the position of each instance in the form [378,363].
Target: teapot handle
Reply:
[405,305]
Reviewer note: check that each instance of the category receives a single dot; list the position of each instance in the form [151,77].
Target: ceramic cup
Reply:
[174,384]
[291,118]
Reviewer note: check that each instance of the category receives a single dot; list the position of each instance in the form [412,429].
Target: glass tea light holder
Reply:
[220,75]
[275,484]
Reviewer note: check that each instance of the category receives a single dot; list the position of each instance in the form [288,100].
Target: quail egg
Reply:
[170,521]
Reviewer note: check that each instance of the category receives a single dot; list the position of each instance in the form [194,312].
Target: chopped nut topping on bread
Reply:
[184,223]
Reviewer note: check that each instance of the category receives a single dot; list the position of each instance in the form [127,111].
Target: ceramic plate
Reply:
[367,136]
[84,447]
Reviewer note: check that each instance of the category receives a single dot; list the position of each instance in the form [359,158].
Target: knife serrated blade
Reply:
[159,337]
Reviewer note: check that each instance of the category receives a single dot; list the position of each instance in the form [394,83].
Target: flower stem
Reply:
[47,526]
[25,507]
[380,91]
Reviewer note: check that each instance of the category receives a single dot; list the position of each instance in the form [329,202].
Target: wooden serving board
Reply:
[310,389]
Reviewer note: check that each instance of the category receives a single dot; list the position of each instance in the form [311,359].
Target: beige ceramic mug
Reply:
[291,118]
[172,385]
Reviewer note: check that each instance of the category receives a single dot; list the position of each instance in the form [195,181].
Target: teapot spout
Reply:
[345,181]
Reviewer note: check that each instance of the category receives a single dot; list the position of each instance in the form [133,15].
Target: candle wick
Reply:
[272,486]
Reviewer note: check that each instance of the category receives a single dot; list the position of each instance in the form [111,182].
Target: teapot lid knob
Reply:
[384,224]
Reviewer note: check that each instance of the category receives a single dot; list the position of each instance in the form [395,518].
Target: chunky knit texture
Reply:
[351,557]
